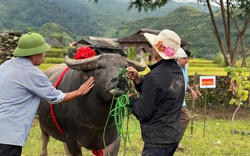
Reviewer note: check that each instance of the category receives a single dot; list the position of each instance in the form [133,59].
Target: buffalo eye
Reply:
[98,67]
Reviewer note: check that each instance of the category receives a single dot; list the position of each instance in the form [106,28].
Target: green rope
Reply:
[119,113]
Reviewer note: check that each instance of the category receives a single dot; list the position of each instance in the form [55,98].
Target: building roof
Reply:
[139,37]
[101,44]
[53,42]
[98,41]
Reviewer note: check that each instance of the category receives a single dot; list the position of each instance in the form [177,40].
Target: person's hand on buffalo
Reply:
[85,88]
[132,74]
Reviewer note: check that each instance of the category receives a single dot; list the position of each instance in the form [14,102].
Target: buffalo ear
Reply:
[82,64]
[139,66]
[83,74]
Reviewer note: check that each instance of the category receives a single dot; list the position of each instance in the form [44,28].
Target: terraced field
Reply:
[202,67]
[205,67]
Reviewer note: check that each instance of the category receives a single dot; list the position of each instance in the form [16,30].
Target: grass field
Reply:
[215,139]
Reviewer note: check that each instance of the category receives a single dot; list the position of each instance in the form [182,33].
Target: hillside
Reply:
[191,25]
[77,18]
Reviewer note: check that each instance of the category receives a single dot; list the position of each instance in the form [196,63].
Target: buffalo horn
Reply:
[139,66]
[82,64]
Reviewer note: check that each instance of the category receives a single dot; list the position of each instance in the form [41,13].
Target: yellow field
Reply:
[202,67]
[213,71]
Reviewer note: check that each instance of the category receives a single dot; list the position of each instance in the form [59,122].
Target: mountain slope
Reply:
[77,17]
[21,15]
[191,25]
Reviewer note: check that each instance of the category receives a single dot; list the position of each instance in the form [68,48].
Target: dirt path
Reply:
[221,113]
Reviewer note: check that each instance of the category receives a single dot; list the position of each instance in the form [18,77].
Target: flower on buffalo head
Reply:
[84,52]
[168,51]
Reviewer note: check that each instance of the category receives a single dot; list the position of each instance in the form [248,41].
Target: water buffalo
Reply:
[83,119]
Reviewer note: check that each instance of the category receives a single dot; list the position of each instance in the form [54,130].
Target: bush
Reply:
[209,56]
[218,59]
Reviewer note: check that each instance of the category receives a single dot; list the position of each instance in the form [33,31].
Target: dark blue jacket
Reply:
[159,105]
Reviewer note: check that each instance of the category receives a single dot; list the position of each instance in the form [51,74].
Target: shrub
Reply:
[218,59]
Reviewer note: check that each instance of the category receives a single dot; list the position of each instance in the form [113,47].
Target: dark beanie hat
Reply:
[188,53]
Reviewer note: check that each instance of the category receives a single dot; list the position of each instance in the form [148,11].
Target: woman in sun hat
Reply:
[161,95]
[22,85]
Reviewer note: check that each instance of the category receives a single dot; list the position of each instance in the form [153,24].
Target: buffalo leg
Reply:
[73,147]
[113,148]
[45,139]
[66,149]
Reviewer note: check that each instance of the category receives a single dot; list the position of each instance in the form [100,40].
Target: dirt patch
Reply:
[221,113]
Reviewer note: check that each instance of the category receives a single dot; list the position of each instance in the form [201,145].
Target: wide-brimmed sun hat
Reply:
[167,44]
[31,44]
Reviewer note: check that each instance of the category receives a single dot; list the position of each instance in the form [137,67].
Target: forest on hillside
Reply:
[71,21]
[78,18]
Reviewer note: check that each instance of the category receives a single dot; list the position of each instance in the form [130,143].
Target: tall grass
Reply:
[213,140]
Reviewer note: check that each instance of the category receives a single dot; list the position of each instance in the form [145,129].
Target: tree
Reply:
[235,14]
[241,90]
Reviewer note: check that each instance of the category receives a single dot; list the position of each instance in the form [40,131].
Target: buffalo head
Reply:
[105,68]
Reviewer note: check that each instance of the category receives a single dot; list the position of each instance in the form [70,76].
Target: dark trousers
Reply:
[159,151]
[185,118]
[10,150]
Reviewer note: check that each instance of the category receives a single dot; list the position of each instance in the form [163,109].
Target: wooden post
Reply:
[205,112]
[193,106]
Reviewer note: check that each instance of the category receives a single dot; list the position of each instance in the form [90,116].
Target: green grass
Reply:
[45,66]
[53,60]
[215,140]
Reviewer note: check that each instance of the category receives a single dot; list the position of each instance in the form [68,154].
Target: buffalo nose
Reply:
[113,80]
[122,84]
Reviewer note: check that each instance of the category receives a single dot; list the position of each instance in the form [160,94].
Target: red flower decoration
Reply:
[84,52]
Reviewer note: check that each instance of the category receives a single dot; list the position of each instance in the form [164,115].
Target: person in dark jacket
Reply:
[162,92]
